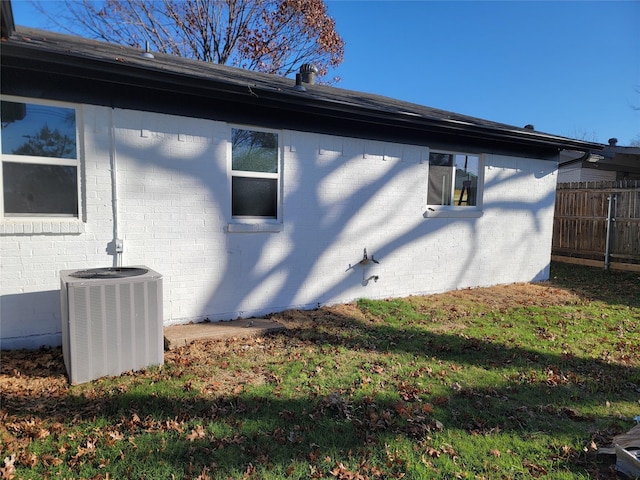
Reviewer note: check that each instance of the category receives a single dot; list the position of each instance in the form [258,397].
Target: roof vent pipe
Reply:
[147,53]
[613,142]
[298,86]
[308,72]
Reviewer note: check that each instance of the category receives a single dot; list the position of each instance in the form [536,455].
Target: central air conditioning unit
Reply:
[111,321]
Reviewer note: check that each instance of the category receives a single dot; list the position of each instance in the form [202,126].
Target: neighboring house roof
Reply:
[80,70]
[624,160]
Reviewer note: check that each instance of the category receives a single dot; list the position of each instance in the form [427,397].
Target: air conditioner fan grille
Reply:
[109,272]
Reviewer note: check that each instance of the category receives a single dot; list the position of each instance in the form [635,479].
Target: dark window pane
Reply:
[255,197]
[441,159]
[39,189]
[253,151]
[38,130]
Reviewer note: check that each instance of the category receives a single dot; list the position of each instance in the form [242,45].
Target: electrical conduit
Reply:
[117,243]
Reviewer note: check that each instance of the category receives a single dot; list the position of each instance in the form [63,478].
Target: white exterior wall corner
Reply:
[339,196]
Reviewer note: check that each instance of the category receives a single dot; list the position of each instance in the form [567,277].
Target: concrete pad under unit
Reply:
[179,335]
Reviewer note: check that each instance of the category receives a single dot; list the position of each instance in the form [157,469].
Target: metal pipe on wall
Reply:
[117,242]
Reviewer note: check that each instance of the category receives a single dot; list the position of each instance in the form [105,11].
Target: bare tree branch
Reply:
[272,36]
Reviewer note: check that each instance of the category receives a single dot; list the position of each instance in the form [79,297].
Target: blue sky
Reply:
[569,68]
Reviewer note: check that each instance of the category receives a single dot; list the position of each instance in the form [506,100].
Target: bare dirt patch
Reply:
[502,297]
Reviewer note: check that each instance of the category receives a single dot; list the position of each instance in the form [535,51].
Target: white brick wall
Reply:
[340,195]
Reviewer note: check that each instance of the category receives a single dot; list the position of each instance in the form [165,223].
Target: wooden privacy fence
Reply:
[598,223]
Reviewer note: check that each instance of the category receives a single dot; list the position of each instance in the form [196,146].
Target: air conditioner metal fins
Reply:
[110,323]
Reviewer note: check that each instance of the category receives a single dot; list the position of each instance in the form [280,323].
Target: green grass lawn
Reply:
[512,382]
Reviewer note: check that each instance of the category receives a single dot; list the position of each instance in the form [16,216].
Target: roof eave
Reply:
[120,71]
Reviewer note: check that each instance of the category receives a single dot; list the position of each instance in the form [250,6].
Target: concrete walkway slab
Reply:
[179,335]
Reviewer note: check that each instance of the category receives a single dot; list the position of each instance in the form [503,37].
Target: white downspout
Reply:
[117,242]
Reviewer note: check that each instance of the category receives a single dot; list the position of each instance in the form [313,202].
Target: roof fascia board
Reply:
[38,59]
[70,89]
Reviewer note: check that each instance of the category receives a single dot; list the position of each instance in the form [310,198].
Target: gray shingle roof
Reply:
[105,62]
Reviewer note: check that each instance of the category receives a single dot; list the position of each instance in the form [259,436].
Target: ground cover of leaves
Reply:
[516,381]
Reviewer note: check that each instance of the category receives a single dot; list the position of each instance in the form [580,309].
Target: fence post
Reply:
[610,219]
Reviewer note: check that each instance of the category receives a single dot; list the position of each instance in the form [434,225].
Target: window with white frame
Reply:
[454,179]
[255,174]
[39,159]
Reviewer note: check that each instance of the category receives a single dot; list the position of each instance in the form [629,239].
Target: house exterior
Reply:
[249,193]
[612,163]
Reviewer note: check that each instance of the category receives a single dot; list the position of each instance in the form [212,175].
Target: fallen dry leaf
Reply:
[196,434]
[9,470]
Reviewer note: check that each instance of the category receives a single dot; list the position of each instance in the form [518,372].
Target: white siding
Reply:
[340,196]
[595,175]
[574,173]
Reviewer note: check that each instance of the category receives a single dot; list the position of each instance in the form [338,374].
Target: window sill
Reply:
[41,226]
[254,227]
[452,213]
